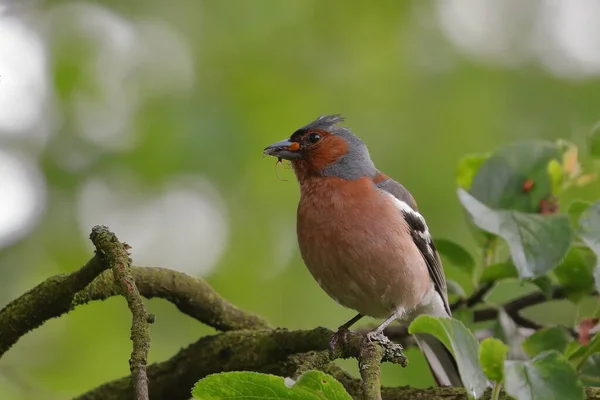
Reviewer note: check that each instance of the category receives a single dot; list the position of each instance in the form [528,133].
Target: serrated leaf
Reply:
[589,232]
[575,273]
[497,272]
[579,357]
[492,353]
[554,338]
[461,342]
[515,177]
[455,254]
[549,376]
[312,385]
[537,243]
[467,168]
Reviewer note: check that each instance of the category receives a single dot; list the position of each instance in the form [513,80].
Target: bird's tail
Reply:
[441,361]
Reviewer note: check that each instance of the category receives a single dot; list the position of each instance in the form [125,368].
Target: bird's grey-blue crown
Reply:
[324,122]
[354,165]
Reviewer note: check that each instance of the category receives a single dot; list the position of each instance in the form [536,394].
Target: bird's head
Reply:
[323,149]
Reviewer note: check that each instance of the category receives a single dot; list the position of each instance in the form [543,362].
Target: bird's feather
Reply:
[420,235]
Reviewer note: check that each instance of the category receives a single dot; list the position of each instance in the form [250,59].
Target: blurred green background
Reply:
[150,117]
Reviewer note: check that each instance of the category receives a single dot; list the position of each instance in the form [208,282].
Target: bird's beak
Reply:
[285,149]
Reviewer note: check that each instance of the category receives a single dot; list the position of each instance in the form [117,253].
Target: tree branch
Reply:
[231,351]
[50,298]
[192,296]
[475,298]
[257,348]
[60,294]
[513,308]
[369,365]
[116,255]
[278,351]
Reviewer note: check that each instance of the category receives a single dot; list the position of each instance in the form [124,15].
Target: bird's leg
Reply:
[342,332]
[377,333]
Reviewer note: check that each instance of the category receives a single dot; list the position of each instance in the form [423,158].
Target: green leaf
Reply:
[467,168]
[572,346]
[501,182]
[461,342]
[594,142]
[492,353]
[497,272]
[590,372]
[575,273]
[325,386]
[545,285]
[537,243]
[455,254]
[555,171]
[549,376]
[554,338]
[576,208]
[581,355]
[589,231]
[312,385]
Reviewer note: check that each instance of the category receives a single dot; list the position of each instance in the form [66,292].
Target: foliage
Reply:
[512,200]
[312,385]
[547,376]
[512,203]
[515,194]
[492,353]
[461,342]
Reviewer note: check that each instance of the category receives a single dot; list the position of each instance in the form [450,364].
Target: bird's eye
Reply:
[314,137]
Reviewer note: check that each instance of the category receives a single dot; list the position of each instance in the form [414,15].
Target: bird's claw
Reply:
[375,336]
[341,336]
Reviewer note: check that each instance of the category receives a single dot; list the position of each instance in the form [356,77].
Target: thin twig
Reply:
[116,255]
[474,299]
[488,258]
[399,333]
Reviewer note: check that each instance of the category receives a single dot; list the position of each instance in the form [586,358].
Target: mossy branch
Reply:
[192,296]
[115,254]
[274,351]
[248,341]
[50,298]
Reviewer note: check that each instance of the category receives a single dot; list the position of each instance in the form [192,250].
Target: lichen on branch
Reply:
[50,298]
[115,254]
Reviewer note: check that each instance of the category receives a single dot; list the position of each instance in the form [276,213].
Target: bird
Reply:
[362,237]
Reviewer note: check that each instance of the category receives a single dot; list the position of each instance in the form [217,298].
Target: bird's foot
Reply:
[339,338]
[375,336]
[392,352]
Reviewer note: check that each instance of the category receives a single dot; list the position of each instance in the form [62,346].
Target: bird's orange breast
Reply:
[356,244]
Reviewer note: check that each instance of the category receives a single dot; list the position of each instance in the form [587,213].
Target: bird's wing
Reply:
[420,234]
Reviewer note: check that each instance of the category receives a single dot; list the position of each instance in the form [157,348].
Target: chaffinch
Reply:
[362,237]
